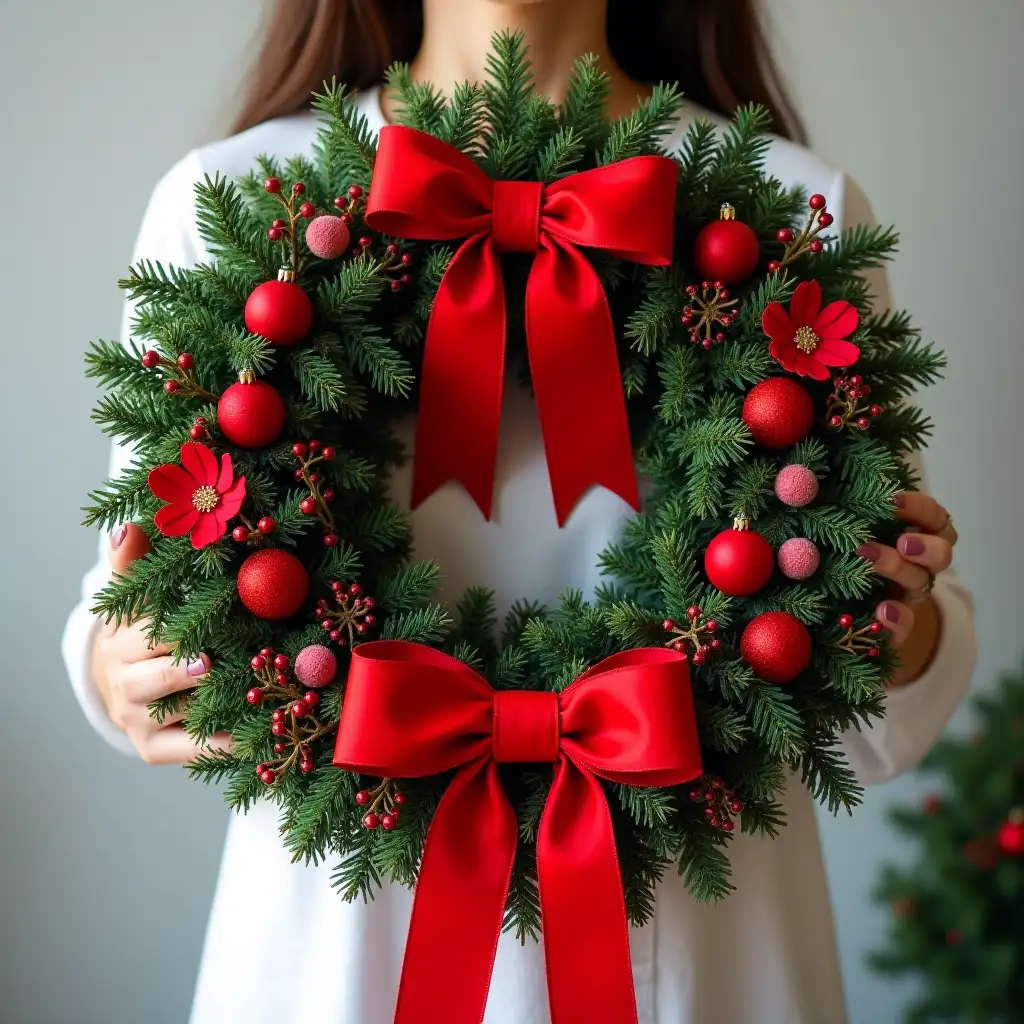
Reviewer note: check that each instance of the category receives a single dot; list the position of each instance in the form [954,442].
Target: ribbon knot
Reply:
[525,726]
[425,189]
[411,711]
[517,215]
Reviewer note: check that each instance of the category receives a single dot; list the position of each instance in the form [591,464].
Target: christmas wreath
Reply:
[683,313]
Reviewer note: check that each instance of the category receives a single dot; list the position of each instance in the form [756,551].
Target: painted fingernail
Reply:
[869,552]
[899,500]
[118,536]
[196,666]
[908,544]
[891,611]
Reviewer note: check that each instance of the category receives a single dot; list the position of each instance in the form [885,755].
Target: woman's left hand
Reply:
[926,548]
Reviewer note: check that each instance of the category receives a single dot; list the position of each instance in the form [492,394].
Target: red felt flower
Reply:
[808,339]
[203,497]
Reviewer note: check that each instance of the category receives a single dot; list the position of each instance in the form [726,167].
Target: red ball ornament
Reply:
[726,250]
[1011,835]
[328,237]
[777,646]
[778,412]
[739,562]
[279,311]
[251,413]
[315,665]
[273,584]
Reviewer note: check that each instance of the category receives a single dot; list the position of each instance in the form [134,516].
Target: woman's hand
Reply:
[130,674]
[910,614]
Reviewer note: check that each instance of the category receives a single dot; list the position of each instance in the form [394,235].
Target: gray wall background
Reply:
[106,866]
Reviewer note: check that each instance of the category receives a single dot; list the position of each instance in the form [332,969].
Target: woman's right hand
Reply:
[130,674]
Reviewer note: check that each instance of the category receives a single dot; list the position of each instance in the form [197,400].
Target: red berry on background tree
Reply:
[778,412]
[777,646]
[273,584]
[726,250]
[251,413]
[279,311]
[1011,834]
[739,562]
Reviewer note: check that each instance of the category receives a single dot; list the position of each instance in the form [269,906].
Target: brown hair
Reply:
[715,49]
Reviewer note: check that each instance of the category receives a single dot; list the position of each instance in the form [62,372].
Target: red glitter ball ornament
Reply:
[778,412]
[328,237]
[279,311]
[739,562]
[251,413]
[315,665]
[777,646]
[273,584]
[726,250]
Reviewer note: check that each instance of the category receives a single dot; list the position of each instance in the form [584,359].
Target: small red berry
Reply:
[306,766]
[363,797]
[825,219]
[281,678]
[368,603]
[736,806]
[315,477]
[716,645]
[307,210]
[335,635]
[328,493]
[185,361]
[151,359]
[355,590]
[298,474]
[817,201]
[354,191]
[278,223]
[668,625]
[856,380]
[272,185]
[371,821]
[280,748]
[330,540]
[309,506]
[863,422]
[315,446]
[875,410]
[299,450]
[259,662]
[406,279]
[816,246]
[197,433]
[278,715]
[255,696]
[346,219]
[340,202]
[170,386]
[389,821]
[784,235]
[846,620]
[311,698]
[836,421]
[399,797]
[365,242]
[406,259]
[774,266]
[298,188]
[282,661]
[279,729]
[266,525]
[327,624]
[711,625]
[328,453]
[396,286]
[268,777]
[267,652]
[274,234]
[240,534]
[727,826]
[873,652]
[693,612]
[876,627]
[370,620]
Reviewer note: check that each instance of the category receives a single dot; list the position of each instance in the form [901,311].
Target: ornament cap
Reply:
[247,376]
[741,522]
[286,273]
[727,212]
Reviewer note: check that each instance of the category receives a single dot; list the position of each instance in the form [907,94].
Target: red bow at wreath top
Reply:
[410,710]
[425,189]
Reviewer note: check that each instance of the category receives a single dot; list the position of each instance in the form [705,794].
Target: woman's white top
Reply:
[767,954]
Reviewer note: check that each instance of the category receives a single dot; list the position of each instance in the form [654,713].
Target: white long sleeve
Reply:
[168,235]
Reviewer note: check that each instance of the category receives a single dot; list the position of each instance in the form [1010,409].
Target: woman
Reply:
[281,945]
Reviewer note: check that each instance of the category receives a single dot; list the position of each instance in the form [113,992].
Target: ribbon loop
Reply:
[629,718]
[517,215]
[423,188]
[525,726]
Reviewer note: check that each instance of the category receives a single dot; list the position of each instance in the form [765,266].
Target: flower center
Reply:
[206,499]
[805,339]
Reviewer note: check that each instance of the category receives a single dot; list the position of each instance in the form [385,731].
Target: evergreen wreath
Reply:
[313,438]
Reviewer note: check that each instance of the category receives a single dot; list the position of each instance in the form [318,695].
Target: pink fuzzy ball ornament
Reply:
[327,237]
[796,485]
[315,665]
[798,558]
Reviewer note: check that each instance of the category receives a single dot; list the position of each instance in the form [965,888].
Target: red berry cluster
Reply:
[721,803]
[807,240]
[294,723]
[352,614]
[384,803]
[394,263]
[253,535]
[318,501]
[697,635]
[843,404]
[180,379]
[710,308]
[350,205]
[286,231]
[860,641]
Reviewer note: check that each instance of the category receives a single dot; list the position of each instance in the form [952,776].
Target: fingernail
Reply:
[196,666]
[891,611]
[908,544]
[900,500]
[869,552]
[118,536]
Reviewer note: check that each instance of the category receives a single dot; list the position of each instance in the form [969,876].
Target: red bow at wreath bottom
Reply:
[410,710]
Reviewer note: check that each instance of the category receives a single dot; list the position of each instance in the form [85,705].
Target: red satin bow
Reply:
[410,710]
[424,188]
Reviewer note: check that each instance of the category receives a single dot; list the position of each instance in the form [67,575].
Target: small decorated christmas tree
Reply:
[958,911]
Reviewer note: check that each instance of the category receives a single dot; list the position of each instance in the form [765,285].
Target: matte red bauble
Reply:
[777,646]
[726,250]
[739,561]
[273,584]
[1011,836]
[251,413]
[778,412]
[279,311]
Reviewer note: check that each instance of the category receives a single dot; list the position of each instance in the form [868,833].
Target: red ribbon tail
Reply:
[583,910]
[576,378]
[463,371]
[460,902]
